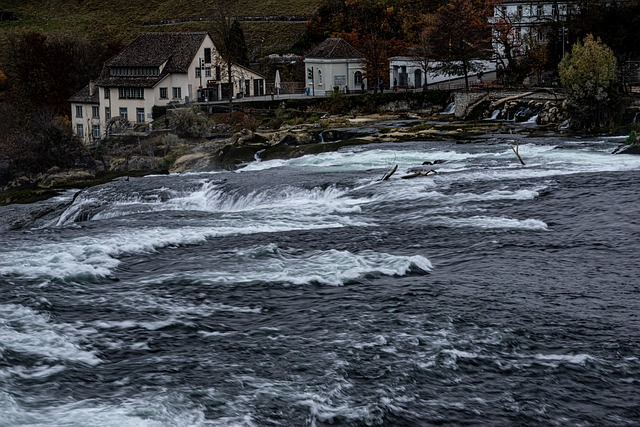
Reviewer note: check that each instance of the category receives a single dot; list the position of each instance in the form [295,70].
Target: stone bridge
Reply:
[466,101]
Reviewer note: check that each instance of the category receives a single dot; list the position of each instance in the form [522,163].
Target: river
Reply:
[308,292]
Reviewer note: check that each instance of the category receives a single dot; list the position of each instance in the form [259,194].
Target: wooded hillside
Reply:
[123,20]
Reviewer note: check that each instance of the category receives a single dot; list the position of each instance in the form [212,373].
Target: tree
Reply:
[423,52]
[536,60]
[588,75]
[373,27]
[238,46]
[506,40]
[227,35]
[44,70]
[460,36]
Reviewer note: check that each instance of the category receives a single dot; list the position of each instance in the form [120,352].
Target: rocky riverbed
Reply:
[227,150]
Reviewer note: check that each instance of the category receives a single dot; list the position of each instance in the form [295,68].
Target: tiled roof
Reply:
[177,50]
[154,49]
[84,97]
[334,48]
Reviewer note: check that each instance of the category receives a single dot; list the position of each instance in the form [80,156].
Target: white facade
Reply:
[325,75]
[85,119]
[334,65]
[529,20]
[408,73]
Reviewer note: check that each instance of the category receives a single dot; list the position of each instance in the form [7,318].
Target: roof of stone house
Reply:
[334,48]
[84,97]
[177,50]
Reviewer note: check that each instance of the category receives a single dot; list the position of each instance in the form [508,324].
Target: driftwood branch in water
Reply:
[419,173]
[389,173]
[515,150]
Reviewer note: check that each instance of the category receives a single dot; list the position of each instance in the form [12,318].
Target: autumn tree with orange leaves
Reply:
[460,36]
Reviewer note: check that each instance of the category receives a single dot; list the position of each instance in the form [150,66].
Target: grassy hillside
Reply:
[125,19]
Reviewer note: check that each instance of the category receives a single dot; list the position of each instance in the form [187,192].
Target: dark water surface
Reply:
[309,293]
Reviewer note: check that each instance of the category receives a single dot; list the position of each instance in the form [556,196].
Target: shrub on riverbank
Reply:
[40,143]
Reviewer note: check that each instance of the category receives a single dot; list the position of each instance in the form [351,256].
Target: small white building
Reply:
[334,64]
[157,69]
[407,72]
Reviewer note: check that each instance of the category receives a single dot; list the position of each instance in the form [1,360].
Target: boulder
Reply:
[58,177]
[196,162]
[628,149]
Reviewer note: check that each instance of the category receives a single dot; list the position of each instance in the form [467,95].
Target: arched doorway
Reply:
[417,78]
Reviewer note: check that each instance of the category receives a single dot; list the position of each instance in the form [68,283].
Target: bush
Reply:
[632,139]
[339,103]
[589,75]
[47,142]
[190,123]
[158,111]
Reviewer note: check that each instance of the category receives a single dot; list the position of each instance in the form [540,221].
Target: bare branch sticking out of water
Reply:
[515,150]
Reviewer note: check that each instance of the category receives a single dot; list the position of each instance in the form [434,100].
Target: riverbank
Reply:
[228,151]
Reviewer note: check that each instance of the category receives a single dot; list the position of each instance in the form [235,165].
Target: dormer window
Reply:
[134,71]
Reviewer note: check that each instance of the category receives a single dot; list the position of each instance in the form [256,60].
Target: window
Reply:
[140,115]
[107,93]
[95,112]
[134,71]
[95,131]
[357,78]
[207,72]
[218,72]
[540,10]
[319,77]
[131,93]
[163,93]
[107,113]
[124,113]
[519,11]
[79,111]
[80,130]
[207,55]
[198,72]
[177,93]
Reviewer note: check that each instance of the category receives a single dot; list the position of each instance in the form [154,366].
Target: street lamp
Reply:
[200,60]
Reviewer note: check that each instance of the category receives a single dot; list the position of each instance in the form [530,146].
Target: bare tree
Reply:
[227,33]
[506,37]
[460,37]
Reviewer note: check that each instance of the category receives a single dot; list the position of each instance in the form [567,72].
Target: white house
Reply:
[334,63]
[528,21]
[85,114]
[154,70]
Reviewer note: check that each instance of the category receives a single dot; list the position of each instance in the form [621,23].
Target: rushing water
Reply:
[308,292]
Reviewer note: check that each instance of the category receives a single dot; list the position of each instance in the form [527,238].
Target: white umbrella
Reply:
[277,82]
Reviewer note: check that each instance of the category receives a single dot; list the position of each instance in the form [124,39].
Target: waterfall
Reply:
[494,115]
[451,108]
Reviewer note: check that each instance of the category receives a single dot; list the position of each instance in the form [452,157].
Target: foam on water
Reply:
[360,160]
[491,223]
[27,332]
[271,264]
[147,411]
[211,197]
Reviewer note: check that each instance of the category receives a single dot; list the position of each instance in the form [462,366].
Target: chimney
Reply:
[92,88]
